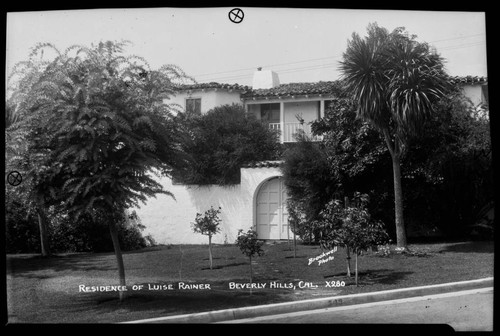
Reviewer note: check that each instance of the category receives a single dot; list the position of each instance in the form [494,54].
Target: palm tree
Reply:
[395,80]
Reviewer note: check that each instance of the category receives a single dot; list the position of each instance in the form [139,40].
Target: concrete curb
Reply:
[334,301]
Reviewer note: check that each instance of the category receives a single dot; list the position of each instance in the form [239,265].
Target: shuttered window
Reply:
[193,105]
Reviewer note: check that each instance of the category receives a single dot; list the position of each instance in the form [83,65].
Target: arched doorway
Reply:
[271,212]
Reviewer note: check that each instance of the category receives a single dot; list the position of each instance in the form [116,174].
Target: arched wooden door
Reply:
[271,212]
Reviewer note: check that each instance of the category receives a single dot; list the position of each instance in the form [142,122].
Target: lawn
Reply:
[57,289]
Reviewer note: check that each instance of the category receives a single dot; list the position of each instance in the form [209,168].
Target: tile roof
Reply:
[214,85]
[470,79]
[301,89]
[263,164]
[295,89]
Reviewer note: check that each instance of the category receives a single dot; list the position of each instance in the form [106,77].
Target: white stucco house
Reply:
[258,201]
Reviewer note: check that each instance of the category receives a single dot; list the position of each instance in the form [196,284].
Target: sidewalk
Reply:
[335,301]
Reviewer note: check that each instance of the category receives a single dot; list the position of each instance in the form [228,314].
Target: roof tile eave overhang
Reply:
[470,80]
[213,86]
[295,90]
[263,164]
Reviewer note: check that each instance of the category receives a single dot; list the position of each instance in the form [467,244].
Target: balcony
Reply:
[291,128]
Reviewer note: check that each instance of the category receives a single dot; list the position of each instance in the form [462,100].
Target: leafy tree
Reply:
[355,151]
[395,81]
[350,154]
[221,141]
[27,152]
[249,246]
[10,116]
[451,157]
[208,224]
[350,226]
[97,120]
[22,235]
[309,182]
[296,222]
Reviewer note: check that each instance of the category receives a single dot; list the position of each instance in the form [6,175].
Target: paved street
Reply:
[469,310]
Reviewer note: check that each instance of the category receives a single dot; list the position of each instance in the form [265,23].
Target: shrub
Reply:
[220,141]
[21,230]
[85,235]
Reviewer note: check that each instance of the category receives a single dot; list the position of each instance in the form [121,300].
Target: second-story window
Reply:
[193,105]
[270,112]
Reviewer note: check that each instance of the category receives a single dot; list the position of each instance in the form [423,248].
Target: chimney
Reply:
[265,79]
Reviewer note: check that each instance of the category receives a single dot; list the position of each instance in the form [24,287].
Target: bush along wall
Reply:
[65,235]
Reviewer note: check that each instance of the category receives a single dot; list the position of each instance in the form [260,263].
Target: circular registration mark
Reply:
[14,178]
[236,15]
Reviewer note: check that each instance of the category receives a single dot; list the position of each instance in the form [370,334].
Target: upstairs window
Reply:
[193,105]
[270,112]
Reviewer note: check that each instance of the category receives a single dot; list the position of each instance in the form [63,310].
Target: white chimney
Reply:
[265,79]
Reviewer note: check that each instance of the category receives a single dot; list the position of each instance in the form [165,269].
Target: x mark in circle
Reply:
[236,15]
[14,178]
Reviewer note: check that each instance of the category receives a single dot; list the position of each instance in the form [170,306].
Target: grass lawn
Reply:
[47,290]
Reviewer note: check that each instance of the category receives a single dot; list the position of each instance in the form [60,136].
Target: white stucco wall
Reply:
[474,93]
[209,98]
[168,221]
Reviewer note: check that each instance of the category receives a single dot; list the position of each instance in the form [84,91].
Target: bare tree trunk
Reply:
[356,265]
[394,150]
[118,252]
[348,252]
[347,249]
[210,249]
[294,243]
[251,275]
[44,240]
[398,203]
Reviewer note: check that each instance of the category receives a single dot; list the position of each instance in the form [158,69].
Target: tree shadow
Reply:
[27,264]
[470,246]
[384,276]
[147,250]
[234,264]
[214,258]
[379,276]
[178,303]
[213,268]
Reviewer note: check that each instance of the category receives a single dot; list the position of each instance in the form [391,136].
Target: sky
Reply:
[300,45]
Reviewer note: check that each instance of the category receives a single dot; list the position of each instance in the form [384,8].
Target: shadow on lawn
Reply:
[176,303]
[379,276]
[25,265]
[471,246]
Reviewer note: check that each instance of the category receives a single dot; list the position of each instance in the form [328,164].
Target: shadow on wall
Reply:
[233,202]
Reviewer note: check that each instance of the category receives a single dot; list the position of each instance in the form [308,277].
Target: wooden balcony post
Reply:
[282,122]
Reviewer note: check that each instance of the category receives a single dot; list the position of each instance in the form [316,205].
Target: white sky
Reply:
[301,45]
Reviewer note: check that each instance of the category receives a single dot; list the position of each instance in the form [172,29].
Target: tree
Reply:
[10,117]
[395,81]
[249,246]
[27,152]
[220,141]
[351,226]
[208,224]
[451,157]
[349,156]
[102,128]
[309,182]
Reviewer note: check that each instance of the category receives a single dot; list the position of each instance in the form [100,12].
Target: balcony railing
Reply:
[275,126]
[290,129]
